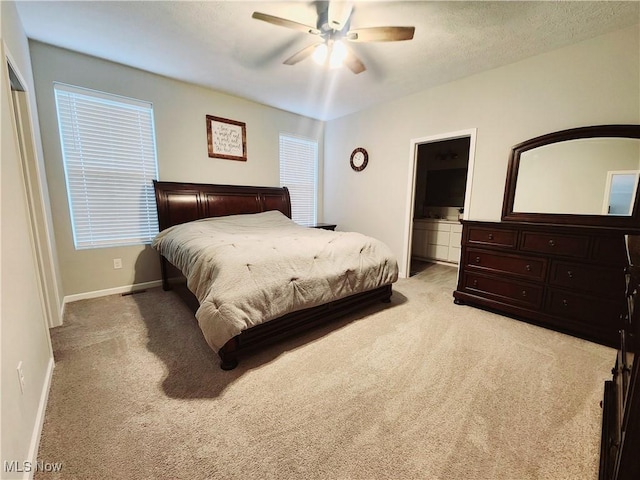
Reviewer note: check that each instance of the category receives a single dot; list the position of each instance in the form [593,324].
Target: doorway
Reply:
[440,177]
[31,175]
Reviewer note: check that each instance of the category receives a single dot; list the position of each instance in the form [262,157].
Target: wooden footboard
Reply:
[297,322]
[286,326]
[184,202]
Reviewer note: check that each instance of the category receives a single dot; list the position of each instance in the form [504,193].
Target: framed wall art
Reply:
[226,138]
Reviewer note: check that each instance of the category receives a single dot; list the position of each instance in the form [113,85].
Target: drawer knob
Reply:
[491,236]
[477,259]
[475,283]
[569,274]
[565,303]
[524,293]
[528,268]
[552,243]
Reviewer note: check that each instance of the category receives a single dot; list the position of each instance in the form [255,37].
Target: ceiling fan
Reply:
[333,27]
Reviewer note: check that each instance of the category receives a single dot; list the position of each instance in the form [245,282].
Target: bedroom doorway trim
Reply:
[411,186]
[36,193]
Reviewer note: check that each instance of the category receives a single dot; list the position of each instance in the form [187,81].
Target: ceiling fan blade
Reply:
[283,22]
[353,63]
[380,34]
[339,13]
[301,55]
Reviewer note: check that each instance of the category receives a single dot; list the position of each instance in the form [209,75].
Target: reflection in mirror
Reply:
[585,176]
[620,192]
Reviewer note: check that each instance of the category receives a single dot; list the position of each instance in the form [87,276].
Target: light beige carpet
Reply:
[418,389]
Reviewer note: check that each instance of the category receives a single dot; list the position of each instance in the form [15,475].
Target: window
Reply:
[298,172]
[109,155]
[620,191]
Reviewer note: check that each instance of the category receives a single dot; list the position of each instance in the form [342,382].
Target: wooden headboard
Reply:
[184,202]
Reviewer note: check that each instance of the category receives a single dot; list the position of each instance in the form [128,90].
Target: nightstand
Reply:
[324,226]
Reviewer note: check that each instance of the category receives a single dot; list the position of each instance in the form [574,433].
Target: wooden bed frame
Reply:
[184,202]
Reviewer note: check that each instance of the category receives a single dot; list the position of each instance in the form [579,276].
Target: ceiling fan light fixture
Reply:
[338,54]
[333,25]
[320,54]
[333,52]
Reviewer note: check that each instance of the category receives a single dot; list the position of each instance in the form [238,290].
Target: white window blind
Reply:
[109,154]
[298,172]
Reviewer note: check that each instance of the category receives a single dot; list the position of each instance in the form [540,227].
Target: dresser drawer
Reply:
[599,312]
[610,250]
[503,290]
[549,243]
[492,237]
[590,279]
[527,267]
[563,277]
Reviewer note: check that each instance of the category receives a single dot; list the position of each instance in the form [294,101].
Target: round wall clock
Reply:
[359,159]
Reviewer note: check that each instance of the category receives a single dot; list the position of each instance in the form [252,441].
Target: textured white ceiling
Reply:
[217,44]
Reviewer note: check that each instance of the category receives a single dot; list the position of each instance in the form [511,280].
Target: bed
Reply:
[248,290]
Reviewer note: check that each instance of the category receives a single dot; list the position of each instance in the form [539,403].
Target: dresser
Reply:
[620,440]
[570,279]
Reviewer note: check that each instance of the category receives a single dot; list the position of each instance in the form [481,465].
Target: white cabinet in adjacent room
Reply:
[435,239]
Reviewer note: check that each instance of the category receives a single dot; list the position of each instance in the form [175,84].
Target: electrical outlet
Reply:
[21,377]
[117,263]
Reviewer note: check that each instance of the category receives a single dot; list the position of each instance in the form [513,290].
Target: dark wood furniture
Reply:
[184,202]
[608,160]
[560,263]
[324,226]
[570,279]
[564,265]
[620,441]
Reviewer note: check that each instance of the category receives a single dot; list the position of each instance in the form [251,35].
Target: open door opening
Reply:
[440,186]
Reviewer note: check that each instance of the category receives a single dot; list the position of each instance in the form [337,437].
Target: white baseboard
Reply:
[62,310]
[110,291]
[42,408]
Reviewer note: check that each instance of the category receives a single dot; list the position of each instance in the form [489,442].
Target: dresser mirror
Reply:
[581,176]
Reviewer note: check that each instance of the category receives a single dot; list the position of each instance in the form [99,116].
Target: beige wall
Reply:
[593,82]
[23,331]
[589,83]
[179,110]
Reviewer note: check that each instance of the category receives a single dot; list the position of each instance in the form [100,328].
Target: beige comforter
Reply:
[249,269]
